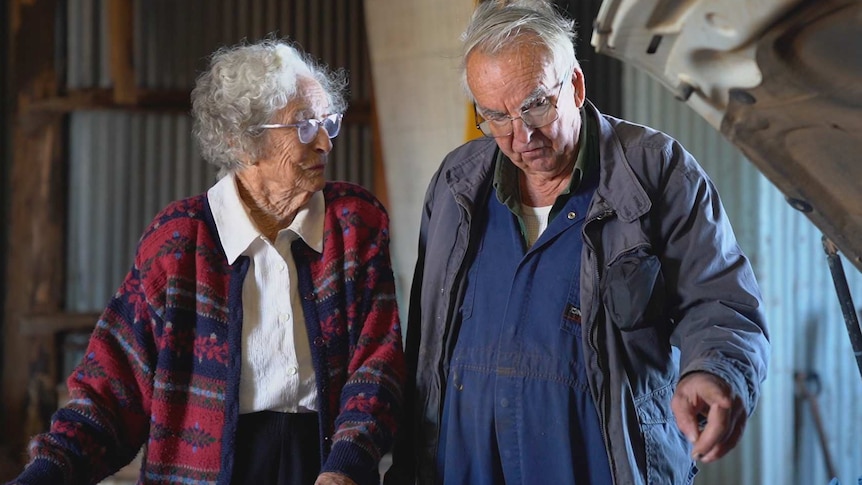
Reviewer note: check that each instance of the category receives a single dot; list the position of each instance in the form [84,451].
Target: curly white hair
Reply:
[245,86]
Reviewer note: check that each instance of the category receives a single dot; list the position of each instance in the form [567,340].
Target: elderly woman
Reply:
[256,338]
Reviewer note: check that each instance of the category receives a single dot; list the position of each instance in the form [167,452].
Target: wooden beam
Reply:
[8,457]
[103,99]
[35,250]
[50,324]
[34,277]
[358,113]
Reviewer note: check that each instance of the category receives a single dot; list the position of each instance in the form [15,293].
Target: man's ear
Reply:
[580,87]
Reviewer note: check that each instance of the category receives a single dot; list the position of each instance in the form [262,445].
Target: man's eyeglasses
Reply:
[308,129]
[543,113]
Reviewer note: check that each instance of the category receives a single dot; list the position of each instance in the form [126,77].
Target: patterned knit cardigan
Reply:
[163,363]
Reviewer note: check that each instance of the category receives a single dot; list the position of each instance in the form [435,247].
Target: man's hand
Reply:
[330,478]
[704,394]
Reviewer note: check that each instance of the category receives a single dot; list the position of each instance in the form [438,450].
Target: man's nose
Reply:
[521,131]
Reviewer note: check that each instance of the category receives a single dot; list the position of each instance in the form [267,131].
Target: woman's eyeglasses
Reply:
[308,129]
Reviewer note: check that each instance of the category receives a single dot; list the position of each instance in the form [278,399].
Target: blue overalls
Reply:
[517,408]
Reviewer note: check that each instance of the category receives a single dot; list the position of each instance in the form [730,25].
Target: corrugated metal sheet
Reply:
[123,168]
[173,39]
[126,166]
[806,326]
[809,335]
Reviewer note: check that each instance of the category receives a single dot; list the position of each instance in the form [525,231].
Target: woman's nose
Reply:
[322,142]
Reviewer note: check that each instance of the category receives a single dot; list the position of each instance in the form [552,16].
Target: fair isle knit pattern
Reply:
[162,367]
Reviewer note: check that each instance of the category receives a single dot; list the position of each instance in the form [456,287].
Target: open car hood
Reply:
[781,79]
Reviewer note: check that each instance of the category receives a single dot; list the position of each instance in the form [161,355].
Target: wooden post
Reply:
[121,26]
[8,464]
[35,268]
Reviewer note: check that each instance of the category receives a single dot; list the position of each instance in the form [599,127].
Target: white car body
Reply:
[781,79]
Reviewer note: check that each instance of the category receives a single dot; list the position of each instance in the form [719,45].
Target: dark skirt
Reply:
[277,448]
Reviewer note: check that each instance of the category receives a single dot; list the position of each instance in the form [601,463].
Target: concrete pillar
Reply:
[415,58]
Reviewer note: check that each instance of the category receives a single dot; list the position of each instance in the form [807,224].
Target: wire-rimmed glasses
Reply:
[308,129]
[542,113]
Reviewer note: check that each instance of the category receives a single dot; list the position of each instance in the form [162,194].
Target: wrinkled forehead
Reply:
[310,101]
[512,76]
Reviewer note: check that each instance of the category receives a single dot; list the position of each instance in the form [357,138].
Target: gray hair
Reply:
[499,24]
[245,86]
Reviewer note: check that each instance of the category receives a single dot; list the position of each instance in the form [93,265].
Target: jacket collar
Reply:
[473,170]
[619,189]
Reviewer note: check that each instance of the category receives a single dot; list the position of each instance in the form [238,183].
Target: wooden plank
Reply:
[8,457]
[121,28]
[148,100]
[35,275]
[50,324]
[34,272]
[92,99]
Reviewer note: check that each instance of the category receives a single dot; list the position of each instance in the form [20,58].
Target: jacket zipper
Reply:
[463,203]
[595,348]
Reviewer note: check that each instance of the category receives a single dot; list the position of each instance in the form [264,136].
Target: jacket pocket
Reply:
[633,290]
[668,459]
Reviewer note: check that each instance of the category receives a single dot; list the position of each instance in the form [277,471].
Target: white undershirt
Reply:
[277,372]
[535,221]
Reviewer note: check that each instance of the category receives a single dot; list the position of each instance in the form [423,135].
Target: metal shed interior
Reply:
[94,139]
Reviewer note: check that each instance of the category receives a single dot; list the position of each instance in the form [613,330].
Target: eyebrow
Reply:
[303,114]
[308,113]
[537,94]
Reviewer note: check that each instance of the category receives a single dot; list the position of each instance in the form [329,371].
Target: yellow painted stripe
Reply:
[470,130]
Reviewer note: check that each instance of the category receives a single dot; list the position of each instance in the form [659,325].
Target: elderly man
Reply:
[561,259]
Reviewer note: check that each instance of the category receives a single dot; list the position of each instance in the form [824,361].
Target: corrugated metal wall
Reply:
[806,326]
[174,38]
[125,166]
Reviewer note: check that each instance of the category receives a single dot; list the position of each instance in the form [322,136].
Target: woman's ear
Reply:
[241,155]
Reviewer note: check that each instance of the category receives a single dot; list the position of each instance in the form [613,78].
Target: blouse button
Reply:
[318,341]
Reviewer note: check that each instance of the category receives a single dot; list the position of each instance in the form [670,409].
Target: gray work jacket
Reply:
[665,291]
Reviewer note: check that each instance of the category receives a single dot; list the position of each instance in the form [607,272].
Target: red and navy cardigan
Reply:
[162,367]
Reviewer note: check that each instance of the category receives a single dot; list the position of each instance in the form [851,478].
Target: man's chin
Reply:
[536,160]
[538,154]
